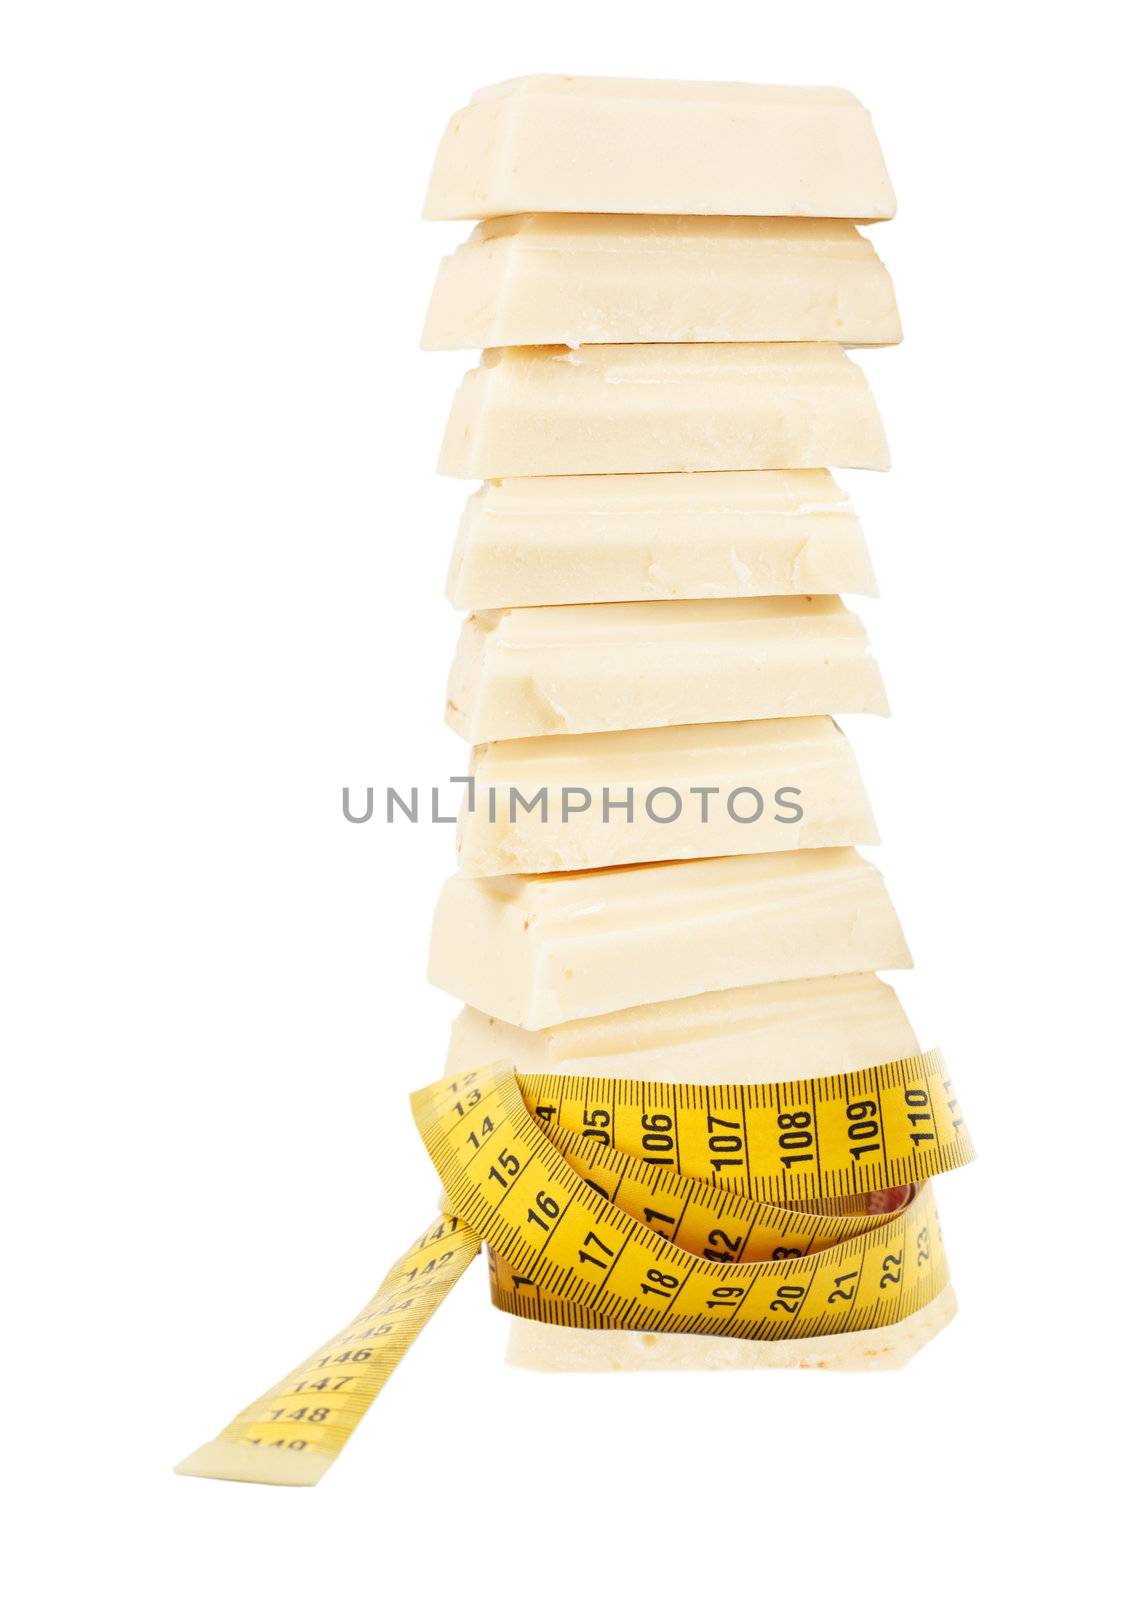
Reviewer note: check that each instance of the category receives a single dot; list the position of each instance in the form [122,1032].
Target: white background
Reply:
[224,548]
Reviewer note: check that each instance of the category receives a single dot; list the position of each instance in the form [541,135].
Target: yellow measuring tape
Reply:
[753,1210]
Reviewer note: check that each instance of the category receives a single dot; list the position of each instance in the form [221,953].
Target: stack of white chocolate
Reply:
[658,876]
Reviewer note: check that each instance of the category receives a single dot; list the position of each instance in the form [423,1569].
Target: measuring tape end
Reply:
[253,1463]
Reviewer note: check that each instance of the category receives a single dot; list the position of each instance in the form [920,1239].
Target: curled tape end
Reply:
[238,1462]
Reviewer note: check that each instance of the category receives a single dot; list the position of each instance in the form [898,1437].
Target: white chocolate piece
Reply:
[590,669]
[769,1033]
[647,280]
[643,145]
[661,794]
[542,950]
[657,536]
[545,1347]
[543,411]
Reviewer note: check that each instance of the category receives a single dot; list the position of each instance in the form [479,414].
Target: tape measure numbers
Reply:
[667,1208]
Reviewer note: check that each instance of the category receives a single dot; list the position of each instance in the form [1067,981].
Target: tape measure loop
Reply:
[770,1211]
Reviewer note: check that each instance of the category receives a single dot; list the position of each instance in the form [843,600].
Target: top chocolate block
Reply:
[650,147]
